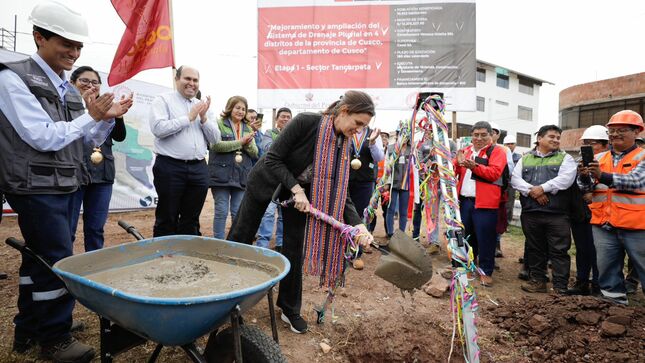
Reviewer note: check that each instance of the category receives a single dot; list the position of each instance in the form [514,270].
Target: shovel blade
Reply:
[408,266]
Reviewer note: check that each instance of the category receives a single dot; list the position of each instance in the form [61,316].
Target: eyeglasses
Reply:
[621,131]
[87,81]
[589,142]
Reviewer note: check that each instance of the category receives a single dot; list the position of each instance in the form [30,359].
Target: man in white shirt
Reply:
[543,177]
[183,130]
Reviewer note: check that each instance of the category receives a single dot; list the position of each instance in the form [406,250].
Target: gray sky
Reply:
[566,42]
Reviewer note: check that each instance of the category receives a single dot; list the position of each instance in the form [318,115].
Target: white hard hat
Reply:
[595,132]
[60,20]
[510,139]
[495,126]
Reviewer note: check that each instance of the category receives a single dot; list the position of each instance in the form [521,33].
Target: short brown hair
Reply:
[355,101]
[230,104]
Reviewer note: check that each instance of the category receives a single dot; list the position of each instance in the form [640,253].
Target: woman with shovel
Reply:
[310,159]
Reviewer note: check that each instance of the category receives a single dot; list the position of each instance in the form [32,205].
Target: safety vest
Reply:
[620,208]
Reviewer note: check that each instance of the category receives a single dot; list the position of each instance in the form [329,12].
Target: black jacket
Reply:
[290,154]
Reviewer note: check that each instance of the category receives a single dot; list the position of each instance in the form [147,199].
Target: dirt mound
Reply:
[403,340]
[573,329]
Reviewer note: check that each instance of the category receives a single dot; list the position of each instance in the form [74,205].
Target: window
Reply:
[502,81]
[501,103]
[526,86]
[462,130]
[525,113]
[480,104]
[481,74]
[523,140]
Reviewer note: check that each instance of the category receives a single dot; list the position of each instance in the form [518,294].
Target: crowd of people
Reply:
[56,156]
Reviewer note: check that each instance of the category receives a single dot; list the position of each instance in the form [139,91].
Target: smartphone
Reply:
[260,116]
[586,151]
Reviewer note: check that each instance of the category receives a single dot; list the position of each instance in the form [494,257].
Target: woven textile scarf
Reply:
[324,247]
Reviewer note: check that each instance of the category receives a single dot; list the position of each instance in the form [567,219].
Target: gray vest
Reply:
[25,170]
[537,170]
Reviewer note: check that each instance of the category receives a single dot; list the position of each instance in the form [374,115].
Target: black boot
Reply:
[579,288]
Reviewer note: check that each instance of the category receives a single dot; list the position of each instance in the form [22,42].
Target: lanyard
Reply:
[358,144]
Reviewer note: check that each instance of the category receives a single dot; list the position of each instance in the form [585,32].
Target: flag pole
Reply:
[172,44]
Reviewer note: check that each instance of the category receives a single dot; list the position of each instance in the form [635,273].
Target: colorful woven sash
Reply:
[324,246]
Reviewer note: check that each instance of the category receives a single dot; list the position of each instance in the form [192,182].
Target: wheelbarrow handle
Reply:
[24,249]
[130,229]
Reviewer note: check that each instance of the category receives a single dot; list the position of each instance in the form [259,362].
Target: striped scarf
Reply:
[324,246]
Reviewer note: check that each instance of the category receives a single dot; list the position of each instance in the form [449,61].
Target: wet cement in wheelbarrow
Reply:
[175,276]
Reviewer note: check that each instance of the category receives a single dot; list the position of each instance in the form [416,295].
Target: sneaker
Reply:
[69,350]
[523,275]
[630,287]
[486,281]
[358,264]
[534,286]
[622,300]
[579,288]
[23,345]
[433,249]
[498,253]
[297,324]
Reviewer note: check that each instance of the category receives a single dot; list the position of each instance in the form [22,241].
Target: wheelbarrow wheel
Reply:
[257,347]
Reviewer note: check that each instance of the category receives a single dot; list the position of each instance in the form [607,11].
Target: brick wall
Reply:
[602,91]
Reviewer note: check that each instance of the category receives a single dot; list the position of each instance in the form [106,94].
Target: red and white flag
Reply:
[147,40]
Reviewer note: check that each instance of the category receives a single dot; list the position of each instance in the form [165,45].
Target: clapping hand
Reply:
[203,113]
[120,107]
[199,109]
[97,107]
[247,138]
[374,135]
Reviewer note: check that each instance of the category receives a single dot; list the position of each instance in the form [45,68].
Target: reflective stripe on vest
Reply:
[621,209]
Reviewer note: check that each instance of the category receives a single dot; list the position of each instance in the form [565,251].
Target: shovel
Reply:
[407,265]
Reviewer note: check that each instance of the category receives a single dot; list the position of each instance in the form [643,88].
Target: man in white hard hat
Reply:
[43,126]
[595,136]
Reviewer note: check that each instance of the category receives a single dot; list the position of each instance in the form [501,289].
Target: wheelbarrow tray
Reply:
[169,321]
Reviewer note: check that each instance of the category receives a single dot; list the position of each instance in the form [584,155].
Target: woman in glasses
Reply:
[96,195]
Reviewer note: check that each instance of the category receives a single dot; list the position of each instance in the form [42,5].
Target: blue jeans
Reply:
[417,217]
[44,305]
[610,252]
[226,198]
[398,199]
[265,232]
[95,199]
[479,228]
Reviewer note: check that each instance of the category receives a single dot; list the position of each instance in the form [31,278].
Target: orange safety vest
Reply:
[620,208]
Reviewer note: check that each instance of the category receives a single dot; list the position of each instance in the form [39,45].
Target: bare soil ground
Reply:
[373,321]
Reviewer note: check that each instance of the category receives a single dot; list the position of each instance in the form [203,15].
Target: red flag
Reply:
[147,40]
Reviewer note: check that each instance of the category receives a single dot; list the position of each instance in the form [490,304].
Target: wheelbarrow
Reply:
[129,319]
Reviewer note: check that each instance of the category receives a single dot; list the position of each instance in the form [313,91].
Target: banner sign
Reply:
[310,52]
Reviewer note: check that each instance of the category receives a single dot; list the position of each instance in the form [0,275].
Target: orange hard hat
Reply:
[627,117]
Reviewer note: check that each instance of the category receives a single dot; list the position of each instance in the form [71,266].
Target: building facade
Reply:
[594,103]
[508,98]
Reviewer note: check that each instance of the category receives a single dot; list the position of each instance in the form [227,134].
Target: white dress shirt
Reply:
[566,177]
[175,135]
[469,185]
